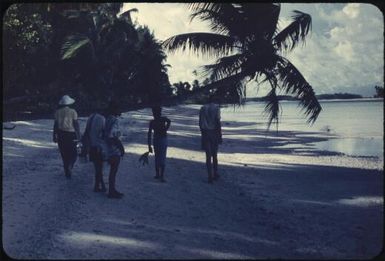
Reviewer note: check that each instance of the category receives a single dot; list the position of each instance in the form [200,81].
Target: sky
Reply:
[343,53]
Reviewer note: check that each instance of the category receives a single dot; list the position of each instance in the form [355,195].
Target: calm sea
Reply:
[356,124]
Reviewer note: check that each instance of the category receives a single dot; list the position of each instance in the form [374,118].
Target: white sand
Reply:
[270,202]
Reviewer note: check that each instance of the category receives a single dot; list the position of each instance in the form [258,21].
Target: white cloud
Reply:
[351,10]
[343,52]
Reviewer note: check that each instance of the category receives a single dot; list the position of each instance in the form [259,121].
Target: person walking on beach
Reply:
[210,126]
[66,133]
[159,125]
[115,149]
[97,147]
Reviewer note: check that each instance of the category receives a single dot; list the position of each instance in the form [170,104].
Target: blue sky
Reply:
[343,53]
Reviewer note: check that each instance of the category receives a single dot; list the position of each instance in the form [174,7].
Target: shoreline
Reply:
[23,116]
[270,202]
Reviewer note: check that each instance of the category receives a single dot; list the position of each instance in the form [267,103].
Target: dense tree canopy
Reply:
[86,50]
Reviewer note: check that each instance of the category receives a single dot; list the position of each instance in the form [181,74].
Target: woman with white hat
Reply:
[66,133]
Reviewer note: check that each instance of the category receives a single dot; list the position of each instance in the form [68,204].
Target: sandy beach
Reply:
[277,197]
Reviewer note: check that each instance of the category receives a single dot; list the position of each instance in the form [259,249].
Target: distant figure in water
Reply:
[210,126]
[160,125]
[97,147]
[115,149]
[66,133]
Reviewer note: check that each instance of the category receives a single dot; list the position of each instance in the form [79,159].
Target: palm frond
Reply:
[206,6]
[224,19]
[272,108]
[224,67]
[294,33]
[293,81]
[127,14]
[262,16]
[232,80]
[241,90]
[73,44]
[210,44]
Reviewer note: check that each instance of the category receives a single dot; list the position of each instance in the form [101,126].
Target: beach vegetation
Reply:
[249,45]
[89,51]
[379,92]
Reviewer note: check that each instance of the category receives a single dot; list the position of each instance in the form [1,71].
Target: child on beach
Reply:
[160,125]
[211,131]
[115,149]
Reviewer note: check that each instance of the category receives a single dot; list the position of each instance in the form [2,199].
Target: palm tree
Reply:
[98,43]
[248,45]
[123,60]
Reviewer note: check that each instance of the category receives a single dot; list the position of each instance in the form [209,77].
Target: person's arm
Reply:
[200,119]
[200,127]
[168,123]
[75,123]
[115,130]
[77,129]
[115,135]
[219,127]
[149,137]
[219,131]
[54,138]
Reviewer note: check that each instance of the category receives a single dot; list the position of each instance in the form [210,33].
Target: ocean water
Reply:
[356,125]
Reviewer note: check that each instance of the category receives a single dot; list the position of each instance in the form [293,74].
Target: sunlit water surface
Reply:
[356,124]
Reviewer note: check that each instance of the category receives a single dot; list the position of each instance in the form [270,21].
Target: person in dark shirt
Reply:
[160,125]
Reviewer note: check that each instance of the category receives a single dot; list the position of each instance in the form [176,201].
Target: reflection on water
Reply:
[357,124]
[354,146]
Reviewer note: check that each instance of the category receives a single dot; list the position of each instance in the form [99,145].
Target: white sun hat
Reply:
[66,100]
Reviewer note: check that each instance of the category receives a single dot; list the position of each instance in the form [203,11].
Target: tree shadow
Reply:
[238,137]
[278,210]
[251,212]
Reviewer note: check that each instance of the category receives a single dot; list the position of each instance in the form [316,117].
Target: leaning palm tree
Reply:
[248,45]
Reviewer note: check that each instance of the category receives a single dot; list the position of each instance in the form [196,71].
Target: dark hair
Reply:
[156,111]
[211,98]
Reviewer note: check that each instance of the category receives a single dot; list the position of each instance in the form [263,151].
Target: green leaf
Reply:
[211,44]
[73,45]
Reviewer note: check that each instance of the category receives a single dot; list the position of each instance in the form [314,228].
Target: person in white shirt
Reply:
[210,126]
[66,133]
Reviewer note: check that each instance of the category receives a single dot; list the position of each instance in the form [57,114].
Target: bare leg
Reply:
[102,181]
[209,166]
[99,176]
[157,171]
[96,185]
[162,173]
[215,165]
[114,162]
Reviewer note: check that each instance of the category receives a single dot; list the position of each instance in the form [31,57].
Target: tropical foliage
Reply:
[86,50]
[379,92]
[249,45]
